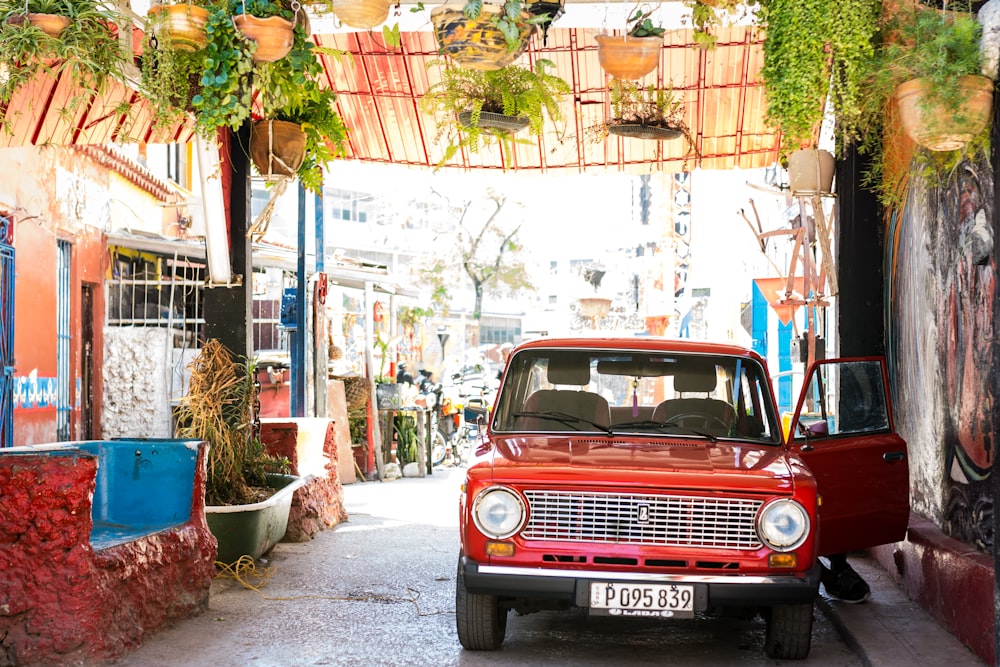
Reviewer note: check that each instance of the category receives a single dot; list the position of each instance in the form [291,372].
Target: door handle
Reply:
[891,457]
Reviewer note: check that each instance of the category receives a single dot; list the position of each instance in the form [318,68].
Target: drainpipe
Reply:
[214,212]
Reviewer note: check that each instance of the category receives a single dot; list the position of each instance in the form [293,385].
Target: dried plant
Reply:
[220,408]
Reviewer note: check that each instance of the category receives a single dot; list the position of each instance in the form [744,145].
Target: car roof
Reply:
[641,344]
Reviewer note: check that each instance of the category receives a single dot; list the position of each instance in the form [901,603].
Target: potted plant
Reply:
[479,107]
[388,394]
[816,54]
[708,15]
[268,25]
[180,26]
[646,112]
[172,59]
[247,496]
[636,53]
[484,35]
[927,76]
[78,40]
[363,14]
[933,65]
[292,96]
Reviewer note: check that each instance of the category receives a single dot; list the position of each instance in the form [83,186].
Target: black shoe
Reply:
[845,585]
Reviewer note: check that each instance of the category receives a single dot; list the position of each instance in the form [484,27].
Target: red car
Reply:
[652,477]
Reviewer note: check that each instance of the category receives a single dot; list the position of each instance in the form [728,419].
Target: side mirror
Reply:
[817,429]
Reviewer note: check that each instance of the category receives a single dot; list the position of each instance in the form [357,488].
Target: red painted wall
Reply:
[34,324]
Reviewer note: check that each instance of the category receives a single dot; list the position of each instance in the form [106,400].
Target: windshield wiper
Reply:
[564,418]
[650,424]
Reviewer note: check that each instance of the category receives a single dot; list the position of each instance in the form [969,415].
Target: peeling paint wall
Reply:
[136,376]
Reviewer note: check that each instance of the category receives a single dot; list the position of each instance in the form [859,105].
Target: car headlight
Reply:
[783,524]
[498,512]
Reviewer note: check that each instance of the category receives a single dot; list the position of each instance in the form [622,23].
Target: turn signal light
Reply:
[783,560]
[494,548]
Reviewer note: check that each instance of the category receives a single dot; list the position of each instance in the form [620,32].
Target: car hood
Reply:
[657,461]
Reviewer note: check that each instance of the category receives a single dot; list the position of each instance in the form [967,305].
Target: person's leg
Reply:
[841,581]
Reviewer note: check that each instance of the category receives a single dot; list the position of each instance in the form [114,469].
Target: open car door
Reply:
[843,430]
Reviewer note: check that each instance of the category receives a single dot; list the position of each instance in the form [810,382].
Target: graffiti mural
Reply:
[941,275]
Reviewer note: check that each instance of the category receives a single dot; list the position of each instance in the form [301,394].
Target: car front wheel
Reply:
[789,631]
[480,621]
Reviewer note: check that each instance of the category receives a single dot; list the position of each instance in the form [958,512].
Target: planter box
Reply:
[252,530]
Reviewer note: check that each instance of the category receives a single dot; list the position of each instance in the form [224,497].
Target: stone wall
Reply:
[136,402]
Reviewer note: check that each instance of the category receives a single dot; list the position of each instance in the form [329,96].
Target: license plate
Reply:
[620,599]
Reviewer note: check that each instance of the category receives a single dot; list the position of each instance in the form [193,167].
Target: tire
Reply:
[789,631]
[439,448]
[480,621]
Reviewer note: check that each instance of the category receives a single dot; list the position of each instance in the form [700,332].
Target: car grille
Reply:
[626,518]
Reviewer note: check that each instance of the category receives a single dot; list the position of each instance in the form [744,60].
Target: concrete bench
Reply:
[102,543]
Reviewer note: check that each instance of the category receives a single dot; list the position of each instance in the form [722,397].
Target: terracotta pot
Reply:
[180,26]
[51,24]
[939,129]
[273,35]
[364,14]
[628,58]
[810,171]
[277,147]
[476,44]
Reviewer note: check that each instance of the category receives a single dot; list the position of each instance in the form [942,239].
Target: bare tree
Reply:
[486,252]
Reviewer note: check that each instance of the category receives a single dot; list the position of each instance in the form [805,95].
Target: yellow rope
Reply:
[245,571]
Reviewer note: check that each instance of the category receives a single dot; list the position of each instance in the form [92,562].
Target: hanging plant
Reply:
[635,54]
[86,49]
[524,97]
[290,90]
[817,53]
[484,35]
[708,15]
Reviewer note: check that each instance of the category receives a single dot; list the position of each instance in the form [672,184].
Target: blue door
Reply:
[6,331]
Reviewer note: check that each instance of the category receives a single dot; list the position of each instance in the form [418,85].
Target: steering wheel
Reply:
[704,422]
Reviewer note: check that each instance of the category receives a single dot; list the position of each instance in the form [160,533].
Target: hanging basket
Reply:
[277,147]
[181,26]
[628,58]
[476,44]
[51,24]
[810,171]
[494,121]
[273,35]
[649,132]
[939,129]
[364,14]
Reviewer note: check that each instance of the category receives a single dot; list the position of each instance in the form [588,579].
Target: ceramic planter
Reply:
[51,24]
[180,26]
[639,131]
[364,14]
[273,35]
[628,58]
[277,147]
[939,129]
[476,44]
[252,530]
[810,171]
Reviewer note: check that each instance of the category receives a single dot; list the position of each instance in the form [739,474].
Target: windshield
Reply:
[652,393]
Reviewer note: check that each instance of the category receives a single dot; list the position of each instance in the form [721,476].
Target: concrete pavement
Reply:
[889,629]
